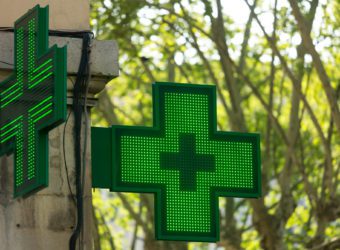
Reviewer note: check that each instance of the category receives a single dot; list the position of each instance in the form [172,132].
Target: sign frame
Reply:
[34,50]
[107,161]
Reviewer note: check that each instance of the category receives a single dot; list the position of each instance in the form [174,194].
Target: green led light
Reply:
[42,65]
[47,99]
[41,79]
[11,94]
[42,116]
[10,123]
[32,101]
[182,159]
[42,109]
[9,89]
[42,72]
[9,130]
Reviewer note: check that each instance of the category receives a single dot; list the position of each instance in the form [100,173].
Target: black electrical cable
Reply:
[79,91]
[69,33]
[62,33]
[65,162]
[6,29]
[7,63]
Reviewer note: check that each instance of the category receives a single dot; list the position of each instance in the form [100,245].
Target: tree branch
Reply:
[135,215]
[206,63]
[308,43]
[295,82]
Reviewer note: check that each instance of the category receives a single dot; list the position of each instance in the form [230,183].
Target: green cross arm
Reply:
[182,159]
[32,101]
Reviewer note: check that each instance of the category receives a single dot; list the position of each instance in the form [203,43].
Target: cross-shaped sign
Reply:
[182,159]
[32,101]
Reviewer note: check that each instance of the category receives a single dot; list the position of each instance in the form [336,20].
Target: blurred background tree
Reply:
[276,68]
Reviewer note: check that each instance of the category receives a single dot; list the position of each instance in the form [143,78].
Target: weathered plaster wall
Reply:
[46,219]
[64,14]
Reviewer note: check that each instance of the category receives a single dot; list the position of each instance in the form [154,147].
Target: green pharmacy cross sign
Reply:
[182,159]
[32,101]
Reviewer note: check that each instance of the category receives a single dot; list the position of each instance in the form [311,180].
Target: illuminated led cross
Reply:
[32,101]
[182,159]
